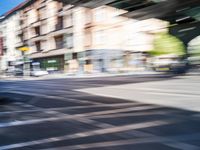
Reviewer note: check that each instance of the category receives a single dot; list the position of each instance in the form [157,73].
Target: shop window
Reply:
[88,62]
[74,56]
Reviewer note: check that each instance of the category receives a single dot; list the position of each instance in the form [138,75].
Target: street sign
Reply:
[24,49]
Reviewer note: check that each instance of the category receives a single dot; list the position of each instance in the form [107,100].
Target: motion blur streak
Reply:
[100,74]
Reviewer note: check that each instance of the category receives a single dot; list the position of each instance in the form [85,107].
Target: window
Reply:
[21,22]
[69,41]
[42,13]
[59,42]
[38,46]
[4,50]
[21,37]
[37,31]
[59,24]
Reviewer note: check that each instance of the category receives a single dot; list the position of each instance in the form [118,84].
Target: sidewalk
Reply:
[64,75]
[182,93]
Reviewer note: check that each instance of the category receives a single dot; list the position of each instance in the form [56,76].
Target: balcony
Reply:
[89,25]
[38,46]
[58,26]
[59,42]
[38,38]
[60,45]
[19,32]
[37,23]
[41,5]
[60,32]
[19,44]
[24,25]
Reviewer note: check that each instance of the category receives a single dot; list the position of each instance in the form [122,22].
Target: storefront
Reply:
[91,61]
[94,61]
[51,64]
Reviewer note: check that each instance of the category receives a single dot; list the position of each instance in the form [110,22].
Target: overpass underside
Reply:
[183,14]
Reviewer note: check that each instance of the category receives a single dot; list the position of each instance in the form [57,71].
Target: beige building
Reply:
[104,40]
[46,28]
[77,39]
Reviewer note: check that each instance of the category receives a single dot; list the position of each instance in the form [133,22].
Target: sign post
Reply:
[27,61]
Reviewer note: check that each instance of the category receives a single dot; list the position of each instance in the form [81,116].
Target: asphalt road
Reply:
[51,114]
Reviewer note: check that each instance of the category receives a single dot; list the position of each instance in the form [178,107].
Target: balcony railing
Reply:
[60,45]
[59,26]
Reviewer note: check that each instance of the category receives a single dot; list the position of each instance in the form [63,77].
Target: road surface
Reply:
[54,114]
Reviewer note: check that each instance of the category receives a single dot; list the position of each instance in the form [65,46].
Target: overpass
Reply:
[184,15]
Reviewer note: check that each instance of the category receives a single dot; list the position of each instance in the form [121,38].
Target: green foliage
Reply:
[167,44]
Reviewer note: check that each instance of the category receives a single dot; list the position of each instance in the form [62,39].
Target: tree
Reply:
[165,43]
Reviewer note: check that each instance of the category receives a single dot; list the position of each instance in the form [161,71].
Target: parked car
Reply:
[38,72]
[14,72]
[169,63]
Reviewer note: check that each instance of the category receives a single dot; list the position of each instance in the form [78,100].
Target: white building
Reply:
[9,26]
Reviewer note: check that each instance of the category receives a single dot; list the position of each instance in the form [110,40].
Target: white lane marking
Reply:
[63,117]
[156,139]
[37,95]
[174,144]
[132,114]
[173,94]
[90,133]
[156,89]
[71,107]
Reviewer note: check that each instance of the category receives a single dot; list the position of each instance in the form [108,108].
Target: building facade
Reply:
[64,38]
[8,39]
[104,40]
[46,28]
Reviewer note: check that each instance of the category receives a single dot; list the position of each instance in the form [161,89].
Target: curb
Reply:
[60,76]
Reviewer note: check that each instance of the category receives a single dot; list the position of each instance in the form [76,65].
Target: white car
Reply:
[14,72]
[169,63]
[38,72]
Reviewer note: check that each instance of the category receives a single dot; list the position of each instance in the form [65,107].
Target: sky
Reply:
[6,5]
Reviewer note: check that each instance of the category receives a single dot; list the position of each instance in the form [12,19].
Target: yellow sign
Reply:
[23,48]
